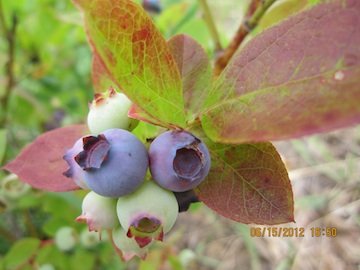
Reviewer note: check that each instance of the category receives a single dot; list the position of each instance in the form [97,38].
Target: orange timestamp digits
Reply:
[277,232]
[327,232]
[292,232]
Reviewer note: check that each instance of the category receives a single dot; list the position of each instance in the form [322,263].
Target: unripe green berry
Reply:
[128,246]
[12,188]
[89,239]
[148,213]
[186,256]
[46,266]
[110,110]
[98,212]
[66,238]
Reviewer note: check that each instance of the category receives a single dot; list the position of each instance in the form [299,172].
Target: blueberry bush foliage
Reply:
[298,77]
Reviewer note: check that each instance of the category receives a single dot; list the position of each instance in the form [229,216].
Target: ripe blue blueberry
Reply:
[185,199]
[178,160]
[152,6]
[114,163]
[75,171]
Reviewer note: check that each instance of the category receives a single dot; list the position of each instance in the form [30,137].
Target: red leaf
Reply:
[195,70]
[248,183]
[41,163]
[295,79]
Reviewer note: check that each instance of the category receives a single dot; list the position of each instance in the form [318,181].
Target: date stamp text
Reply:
[293,231]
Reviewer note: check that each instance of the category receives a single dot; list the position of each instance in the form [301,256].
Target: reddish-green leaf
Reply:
[41,163]
[100,76]
[102,81]
[297,78]
[194,66]
[136,56]
[248,183]
[137,113]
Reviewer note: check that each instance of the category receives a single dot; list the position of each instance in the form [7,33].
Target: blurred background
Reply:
[51,86]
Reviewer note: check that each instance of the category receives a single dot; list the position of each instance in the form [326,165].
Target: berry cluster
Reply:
[113,164]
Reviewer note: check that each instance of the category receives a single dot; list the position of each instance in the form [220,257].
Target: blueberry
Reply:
[110,110]
[148,213]
[178,160]
[152,6]
[185,199]
[114,163]
[75,171]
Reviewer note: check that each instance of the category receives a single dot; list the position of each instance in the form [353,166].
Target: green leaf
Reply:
[146,132]
[248,183]
[84,257]
[197,29]
[188,15]
[100,77]
[52,225]
[21,252]
[280,10]
[171,17]
[50,254]
[175,263]
[2,144]
[196,73]
[297,78]
[136,56]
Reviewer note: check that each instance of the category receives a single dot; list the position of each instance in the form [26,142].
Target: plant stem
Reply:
[7,234]
[9,67]
[259,12]
[211,24]
[256,10]
[29,225]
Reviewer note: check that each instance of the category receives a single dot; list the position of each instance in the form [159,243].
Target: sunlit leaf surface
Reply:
[297,78]
[136,56]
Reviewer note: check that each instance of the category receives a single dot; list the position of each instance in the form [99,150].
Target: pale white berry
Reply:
[110,110]
[89,239]
[98,212]
[148,213]
[66,238]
